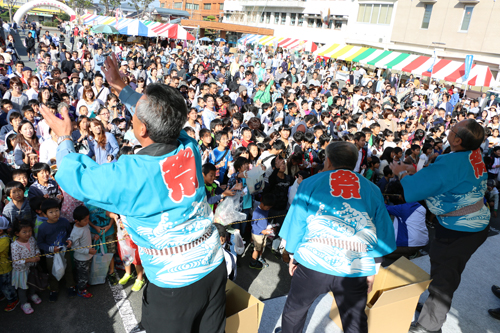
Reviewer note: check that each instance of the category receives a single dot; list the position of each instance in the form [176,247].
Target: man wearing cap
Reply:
[455,196]
[454,98]
[99,59]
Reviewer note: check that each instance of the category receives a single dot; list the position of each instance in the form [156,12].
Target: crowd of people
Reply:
[257,108]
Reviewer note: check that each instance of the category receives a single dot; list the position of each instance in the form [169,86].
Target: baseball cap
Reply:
[4,223]
[27,69]
[124,63]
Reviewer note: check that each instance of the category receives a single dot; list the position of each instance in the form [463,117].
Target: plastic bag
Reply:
[229,210]
[59,266]
[100,265]
[255,180]
[127,254]
[239,245]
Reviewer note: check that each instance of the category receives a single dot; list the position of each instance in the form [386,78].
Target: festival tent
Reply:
[448,70]
[137,28]
[292,43]
[172,31]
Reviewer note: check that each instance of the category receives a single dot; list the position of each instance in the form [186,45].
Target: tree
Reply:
[10,5]
[138,4]
[109,5]
[80,5]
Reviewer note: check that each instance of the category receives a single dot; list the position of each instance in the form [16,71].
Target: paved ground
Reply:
[101,314]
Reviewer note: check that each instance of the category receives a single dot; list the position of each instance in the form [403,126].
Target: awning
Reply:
[137,28]
[172,31]
[327,50]
[271,40]
[292,43]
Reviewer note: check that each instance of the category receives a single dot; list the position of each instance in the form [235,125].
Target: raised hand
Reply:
[60,126]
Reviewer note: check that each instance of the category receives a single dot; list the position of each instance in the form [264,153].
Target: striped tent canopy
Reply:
[249,39]
[172,31]
[292,43]
[269,40]
[448,70]
[137,28]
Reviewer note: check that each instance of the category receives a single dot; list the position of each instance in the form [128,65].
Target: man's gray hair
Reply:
[164,112]
[342,155]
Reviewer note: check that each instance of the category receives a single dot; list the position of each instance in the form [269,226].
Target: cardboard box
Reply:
[394,297]
[243,311]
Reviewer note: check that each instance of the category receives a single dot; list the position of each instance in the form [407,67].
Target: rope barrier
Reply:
[119,240]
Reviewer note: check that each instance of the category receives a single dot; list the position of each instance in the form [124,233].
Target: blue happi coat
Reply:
[452,182]
[162,199]
[338,205]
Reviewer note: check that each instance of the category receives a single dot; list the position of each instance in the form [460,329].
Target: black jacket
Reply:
[30,42]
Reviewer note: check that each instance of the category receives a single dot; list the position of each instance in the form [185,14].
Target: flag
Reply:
[116,18]
[468,65]
[434,58]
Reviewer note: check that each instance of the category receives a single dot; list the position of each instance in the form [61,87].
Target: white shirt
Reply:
[32,94]
[48,150]
[103,96]
[418,235]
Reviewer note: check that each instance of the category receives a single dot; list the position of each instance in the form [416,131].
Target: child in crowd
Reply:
[101,224]
[260,230]
[20,175]
[40,217]
[215,194]
[24,247]
[44,186]
[6,287]
[83,253]
[53,237]
[372,166]
[229,257]
[221,156]
[18,207]
[139,270]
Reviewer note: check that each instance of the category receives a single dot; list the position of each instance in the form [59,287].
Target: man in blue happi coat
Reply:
[160,195]
[336,226]
[453,188]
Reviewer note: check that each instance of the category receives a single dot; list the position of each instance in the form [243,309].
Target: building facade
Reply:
[198,9]
[454,28]
[352,22]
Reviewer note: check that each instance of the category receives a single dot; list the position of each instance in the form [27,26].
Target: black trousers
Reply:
[350,295]
[197,308]
[448,259]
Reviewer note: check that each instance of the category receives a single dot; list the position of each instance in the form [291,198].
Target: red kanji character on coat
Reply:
[476,160]
[179,174]
[345,184]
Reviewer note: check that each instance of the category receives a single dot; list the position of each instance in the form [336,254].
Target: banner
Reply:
[434,58]
[468,65]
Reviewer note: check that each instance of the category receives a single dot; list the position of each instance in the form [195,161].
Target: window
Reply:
[162,5]
[283,18]
[300,20]
[310,23]
[177,5]
[337,24]
[221,6]
[276,18]
[228,15]
[292,18]
[427,16]
[192,6]
[466,20]
[375,13]
[207,6]
[319,23]
[268,17]
[262,17]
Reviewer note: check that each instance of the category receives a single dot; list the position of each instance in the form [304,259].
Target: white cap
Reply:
[4,223]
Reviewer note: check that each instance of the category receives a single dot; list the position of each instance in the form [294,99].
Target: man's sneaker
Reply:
[255,264]
[11,306]
[125,279]
[263,262]
[84,293]
[112,279]
[53,296]
[27,309]
[36,299]
[71,292]
[138,285]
